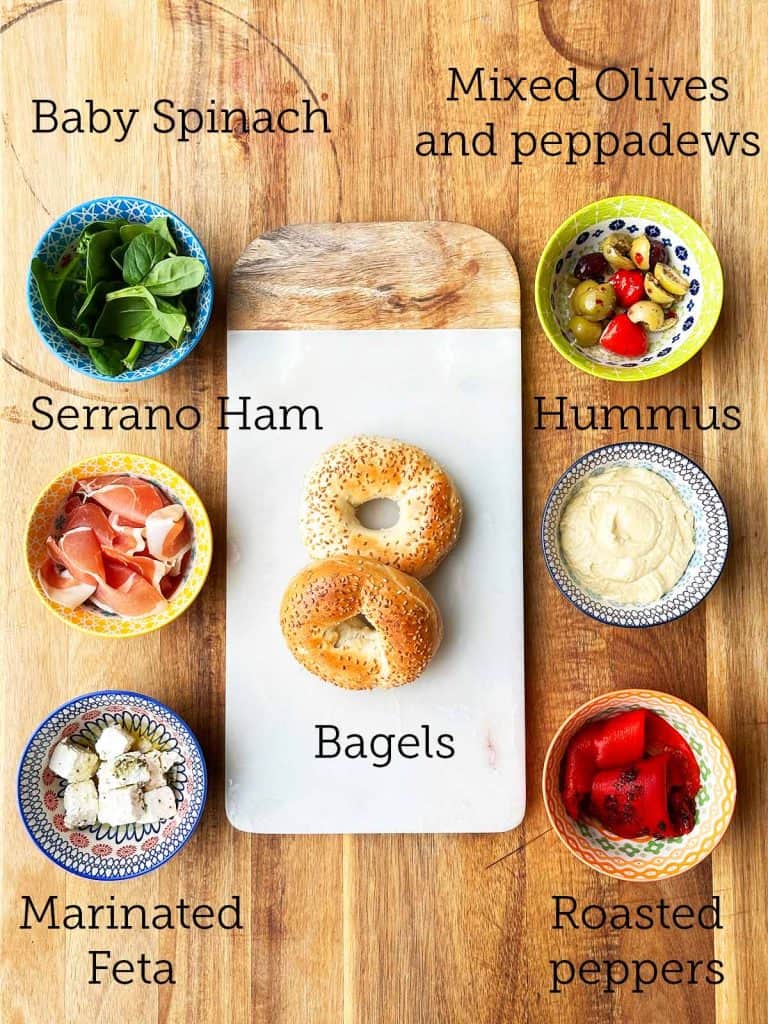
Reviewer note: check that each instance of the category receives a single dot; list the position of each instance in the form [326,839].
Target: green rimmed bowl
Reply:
[689,251]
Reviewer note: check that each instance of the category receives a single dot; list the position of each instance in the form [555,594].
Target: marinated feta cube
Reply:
[121,806]
[113,742]
[73,763]
[81,804]
[157,777]
[126,770]
[159,804]
[168,758]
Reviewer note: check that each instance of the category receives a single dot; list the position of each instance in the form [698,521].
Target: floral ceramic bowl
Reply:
[106,853]
[689,251]
[42,521]
[646,859]
[155,359]
[711,533]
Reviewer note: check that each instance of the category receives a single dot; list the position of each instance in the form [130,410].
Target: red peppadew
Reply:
[624,338]
[629,286]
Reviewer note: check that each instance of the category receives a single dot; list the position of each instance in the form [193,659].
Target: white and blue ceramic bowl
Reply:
[155,359]
[711,533]
[106,853]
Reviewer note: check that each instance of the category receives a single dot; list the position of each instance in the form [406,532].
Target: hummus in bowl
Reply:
[627,535]
[635,534]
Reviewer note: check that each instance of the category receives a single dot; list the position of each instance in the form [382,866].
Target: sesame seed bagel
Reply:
[362,469]
[359,624]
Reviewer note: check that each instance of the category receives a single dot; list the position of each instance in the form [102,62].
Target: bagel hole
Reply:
[349,632]
[378,513]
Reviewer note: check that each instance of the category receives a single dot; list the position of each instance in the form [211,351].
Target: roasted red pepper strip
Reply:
[660,736]
[578,770]
[682,809]
[632,801]
[621,739]
[610,743]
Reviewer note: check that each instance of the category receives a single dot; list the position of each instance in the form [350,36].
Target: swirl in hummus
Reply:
[627,535]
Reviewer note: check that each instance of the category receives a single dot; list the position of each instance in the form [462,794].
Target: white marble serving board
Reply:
[455,393]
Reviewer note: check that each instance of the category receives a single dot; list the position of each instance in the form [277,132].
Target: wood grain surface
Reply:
[387,929]
[373,276]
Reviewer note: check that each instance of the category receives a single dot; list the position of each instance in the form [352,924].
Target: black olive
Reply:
[658,253]
[593,265]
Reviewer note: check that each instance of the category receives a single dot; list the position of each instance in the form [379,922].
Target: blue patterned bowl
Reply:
[155,359]
[710,531]
[106,853]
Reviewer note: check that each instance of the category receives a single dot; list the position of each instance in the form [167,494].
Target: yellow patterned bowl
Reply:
[646,859]
[689,250]
[48,506]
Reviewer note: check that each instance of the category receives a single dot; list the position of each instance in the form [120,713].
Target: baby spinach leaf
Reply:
[50,282]
[80,339]
[97,263]
[91,306]
[96,227]
[174,275]
[129,231]
[132,313]
[143,252]
[118,254]
[63,263]
[172,320]
[160,227]
[69,300]
[102,225]
[131,291]
[171,305]
[175,309]
[109,359]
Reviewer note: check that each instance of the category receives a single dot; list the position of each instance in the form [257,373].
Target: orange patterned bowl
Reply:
[646,859]
[42,522]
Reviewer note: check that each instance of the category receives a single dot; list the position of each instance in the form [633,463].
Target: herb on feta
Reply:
[127,770]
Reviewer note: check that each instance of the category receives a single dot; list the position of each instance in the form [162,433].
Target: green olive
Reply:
[640,252]
[585,331]
[593,300]
[616,249]
[655,292]
[670,280]
[649,314]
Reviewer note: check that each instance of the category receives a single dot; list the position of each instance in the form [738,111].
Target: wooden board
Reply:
[418,930]
[390,276]
[452,390]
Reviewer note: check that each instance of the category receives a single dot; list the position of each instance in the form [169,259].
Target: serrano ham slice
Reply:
[152,570]
[131,497]
[93,516]
[127,593]
[128,539]
[79,552]
[168,534]
[61,587]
